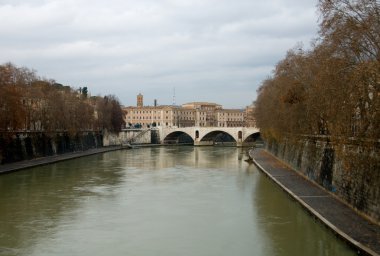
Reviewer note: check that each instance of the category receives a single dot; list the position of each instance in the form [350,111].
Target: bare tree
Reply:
[334,88]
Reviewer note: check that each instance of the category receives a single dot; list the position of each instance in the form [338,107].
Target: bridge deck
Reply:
[239,134]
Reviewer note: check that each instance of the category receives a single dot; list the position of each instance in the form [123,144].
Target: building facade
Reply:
[203,114]
[249,117]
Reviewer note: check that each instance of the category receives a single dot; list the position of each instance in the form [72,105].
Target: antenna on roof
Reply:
[173,96]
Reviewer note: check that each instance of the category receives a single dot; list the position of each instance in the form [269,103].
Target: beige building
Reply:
[148,116]
[249,117]
[190,114]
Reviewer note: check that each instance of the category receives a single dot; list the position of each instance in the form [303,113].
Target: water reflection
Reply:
[155,201]
[291,230]
[33,201]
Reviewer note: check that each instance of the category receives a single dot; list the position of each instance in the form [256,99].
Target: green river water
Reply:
[156,201]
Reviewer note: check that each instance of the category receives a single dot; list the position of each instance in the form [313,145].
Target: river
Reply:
[156,201]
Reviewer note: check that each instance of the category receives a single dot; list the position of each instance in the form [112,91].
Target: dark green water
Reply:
[155,201]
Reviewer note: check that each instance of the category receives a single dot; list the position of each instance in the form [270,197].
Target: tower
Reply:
[140,102]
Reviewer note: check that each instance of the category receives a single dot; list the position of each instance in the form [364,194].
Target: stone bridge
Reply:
[206,135]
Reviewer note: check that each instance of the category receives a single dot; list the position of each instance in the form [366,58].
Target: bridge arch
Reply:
[218,135]
[177,137]
[205,135]
[252,137]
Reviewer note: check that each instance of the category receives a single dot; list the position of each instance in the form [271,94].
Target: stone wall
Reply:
[351,172]
[18,146]
[155,136]
[130,136]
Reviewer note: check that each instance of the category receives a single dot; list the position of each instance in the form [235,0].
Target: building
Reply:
[249,117]
[140,100]
[204,114]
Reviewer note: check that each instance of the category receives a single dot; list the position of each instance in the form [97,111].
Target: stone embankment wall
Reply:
[18,146]
[351,172]
[130,136]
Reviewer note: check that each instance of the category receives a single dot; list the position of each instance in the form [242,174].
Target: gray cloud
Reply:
[214,50]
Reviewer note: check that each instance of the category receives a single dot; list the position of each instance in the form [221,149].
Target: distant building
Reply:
[249,117]
[204,114]
[140,101]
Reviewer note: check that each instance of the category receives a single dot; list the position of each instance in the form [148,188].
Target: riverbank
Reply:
[16,166]
[342,219]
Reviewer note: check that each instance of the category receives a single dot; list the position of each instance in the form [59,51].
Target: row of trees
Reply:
[334,88]
[28,102]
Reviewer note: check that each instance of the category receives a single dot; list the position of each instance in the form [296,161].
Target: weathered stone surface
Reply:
[18,146]
[335,214]
[351,172]
[129,136]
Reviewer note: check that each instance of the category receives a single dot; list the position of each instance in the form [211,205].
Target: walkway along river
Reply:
[156,201]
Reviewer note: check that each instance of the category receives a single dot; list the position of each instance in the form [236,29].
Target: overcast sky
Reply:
[208,50]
